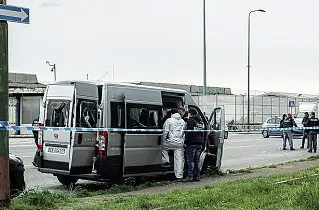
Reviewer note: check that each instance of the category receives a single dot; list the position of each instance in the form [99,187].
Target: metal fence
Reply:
[261,107]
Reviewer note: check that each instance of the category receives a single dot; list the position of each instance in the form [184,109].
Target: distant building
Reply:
[192,89]
[25,96]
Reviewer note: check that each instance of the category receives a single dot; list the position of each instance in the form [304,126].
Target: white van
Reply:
[115,154]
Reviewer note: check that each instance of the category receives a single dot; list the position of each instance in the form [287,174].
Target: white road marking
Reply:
[244,146]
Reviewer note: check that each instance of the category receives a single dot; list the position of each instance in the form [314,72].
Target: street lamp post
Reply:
[204,46]
[53,69]
[248,93]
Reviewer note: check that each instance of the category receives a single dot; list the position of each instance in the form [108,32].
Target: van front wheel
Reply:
[67,180]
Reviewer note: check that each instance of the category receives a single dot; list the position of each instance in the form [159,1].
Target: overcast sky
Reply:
[161,41]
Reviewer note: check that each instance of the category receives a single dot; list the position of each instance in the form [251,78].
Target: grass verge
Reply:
[289,191]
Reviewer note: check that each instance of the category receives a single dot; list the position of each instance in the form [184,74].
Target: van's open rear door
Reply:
[70,105]
[57,114]
[86,116]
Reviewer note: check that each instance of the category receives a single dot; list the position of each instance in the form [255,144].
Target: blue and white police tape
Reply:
[6,126]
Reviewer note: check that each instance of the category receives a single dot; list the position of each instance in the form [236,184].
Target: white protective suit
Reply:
[173,139]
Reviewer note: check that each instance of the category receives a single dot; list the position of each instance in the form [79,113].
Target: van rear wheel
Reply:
[67,180]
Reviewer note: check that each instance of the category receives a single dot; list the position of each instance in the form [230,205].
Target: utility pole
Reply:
[248,66]
[4,97]
[204,47]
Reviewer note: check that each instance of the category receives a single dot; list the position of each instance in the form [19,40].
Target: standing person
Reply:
[173,139]
[284,116]
[36,158]
[183,113]
[305,132]
[288,125]
[193,142]
[312,133]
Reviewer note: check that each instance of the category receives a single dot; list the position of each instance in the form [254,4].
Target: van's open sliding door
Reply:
[142,148]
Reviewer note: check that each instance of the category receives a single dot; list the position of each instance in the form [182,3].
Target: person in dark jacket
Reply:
[305,132]
[284,116]
[193,142]
[184,114]
[36,158]
[288,125]
[312,133]
[35,133]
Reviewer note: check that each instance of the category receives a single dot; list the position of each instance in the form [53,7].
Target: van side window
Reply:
[143,117]
[117,115]
[86,113]
[153,119]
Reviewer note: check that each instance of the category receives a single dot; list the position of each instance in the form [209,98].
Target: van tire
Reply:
[17,183]
[67,180]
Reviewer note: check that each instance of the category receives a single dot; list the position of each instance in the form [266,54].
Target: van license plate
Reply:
[57,150]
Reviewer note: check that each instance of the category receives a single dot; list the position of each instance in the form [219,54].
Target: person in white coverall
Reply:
[173,139]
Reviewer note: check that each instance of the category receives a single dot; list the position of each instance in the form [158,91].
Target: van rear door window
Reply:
[57,113]
[86,114]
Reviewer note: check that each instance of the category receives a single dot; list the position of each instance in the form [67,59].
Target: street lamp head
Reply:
[47,62]
[261,10]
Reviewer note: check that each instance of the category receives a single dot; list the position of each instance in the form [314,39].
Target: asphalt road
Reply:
[240,151]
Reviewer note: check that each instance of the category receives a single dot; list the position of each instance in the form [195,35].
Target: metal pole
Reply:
[248,66]
[87,76]
[248,92]
[204,47]
[4,97]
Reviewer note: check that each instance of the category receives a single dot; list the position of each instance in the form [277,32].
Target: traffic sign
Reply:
[292,103]
[14,14]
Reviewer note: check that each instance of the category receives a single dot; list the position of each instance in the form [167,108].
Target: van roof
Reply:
[118,84]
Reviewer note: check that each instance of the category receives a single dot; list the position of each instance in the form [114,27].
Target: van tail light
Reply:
[40,139]
[40,147]
[103,142]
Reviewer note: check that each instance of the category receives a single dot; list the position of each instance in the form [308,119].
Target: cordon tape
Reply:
[4,125]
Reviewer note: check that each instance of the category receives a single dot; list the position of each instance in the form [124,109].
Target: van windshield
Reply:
[57,113]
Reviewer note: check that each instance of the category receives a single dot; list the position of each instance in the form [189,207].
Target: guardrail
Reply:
[244,126]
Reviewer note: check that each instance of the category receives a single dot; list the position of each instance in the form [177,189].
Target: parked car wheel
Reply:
[67,180]
[16,172]
[265,134]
